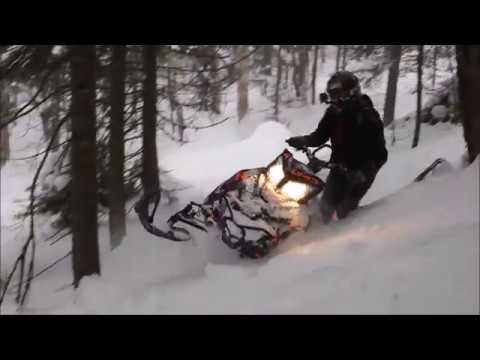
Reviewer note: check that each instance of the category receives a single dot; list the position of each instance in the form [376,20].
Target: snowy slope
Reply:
[412,252]
[413,248]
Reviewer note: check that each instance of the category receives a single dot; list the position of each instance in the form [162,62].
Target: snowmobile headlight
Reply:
[295,190]
[275,174]
[292,189]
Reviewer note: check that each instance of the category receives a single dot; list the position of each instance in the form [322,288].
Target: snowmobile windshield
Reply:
[292,179]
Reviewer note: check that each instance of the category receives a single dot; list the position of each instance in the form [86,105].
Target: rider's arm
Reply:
[376,142]
[321,135]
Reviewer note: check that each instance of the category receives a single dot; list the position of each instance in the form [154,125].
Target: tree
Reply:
[4,136]
[302,72]
[337,61]
[279,80]
[116,192]
[344,57]
[468,71]
[242,85]
[418,121]
[51,113]
[213,74]
[81,77]
[267,59]
[395,54]
[84,181]
[314,73]
[150,173]
[286,63]
[435,56]
[323,53]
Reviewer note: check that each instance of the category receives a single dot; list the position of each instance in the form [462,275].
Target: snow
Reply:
[412,248]
[205,167]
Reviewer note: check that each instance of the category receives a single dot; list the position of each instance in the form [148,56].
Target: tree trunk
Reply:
[215,87]
[85,253]
[337,62]
[150,173]
[4,145]
[435,55]
[314,73]
[323,53]
[296,72]
[418,122]
[279,80]
[176,111]
[56,108]
[242,84]
[286,66]
[344,57]
[303,73]
[468,71]
[267,59]
[4,136]
[395,54]
[181,123]
[116,191]
[56,119]
[170,92]
[50,115]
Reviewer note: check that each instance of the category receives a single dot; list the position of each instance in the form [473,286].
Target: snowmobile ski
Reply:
[429,169]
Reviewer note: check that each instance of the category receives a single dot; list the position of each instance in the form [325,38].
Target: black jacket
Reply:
[356,134]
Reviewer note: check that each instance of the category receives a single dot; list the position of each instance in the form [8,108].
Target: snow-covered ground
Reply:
[412,248]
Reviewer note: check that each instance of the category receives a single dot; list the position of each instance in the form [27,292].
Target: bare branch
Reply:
[31,238]
[212,70]
[19,113]
[47,268]
[40,153]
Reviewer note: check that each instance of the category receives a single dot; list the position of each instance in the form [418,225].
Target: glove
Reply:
[297,142]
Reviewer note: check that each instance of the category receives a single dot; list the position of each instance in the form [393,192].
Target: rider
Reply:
[355,130]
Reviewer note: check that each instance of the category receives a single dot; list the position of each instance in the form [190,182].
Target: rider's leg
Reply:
[332,194]
[352,197]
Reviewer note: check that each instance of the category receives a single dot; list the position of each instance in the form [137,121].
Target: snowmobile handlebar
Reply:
[315,163]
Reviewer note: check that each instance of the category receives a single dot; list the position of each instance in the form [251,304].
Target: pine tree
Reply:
[242,85]
[84,180]
[279,80]
[338,58]
[150,172]
[418,122]
[395,54]
[267,59]
[468,60]
[314,73]
[116,191]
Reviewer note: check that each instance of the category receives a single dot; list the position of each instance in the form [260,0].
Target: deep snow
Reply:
[412,248]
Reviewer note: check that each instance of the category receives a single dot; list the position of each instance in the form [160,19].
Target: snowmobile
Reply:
[254,209]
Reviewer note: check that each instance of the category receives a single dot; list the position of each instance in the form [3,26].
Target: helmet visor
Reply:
[335,94]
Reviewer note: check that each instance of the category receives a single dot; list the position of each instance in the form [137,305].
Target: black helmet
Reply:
[342,86]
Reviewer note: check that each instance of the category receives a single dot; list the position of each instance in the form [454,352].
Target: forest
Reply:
[104,123]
